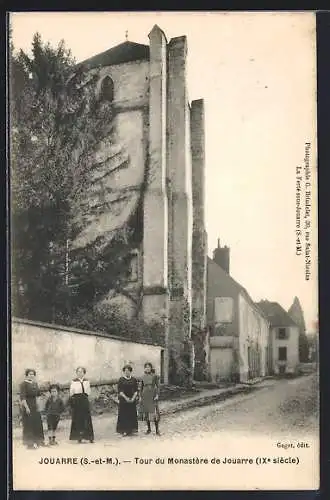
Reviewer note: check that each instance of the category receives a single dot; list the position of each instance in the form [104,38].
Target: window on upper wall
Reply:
[282,354]
[282,334]
[107,89]
[223,310]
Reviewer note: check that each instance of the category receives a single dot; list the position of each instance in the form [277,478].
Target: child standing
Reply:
[54,407]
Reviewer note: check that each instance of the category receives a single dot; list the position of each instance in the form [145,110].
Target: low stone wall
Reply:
[307,368]
[55,352]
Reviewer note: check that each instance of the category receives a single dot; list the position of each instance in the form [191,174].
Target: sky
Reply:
[256,72]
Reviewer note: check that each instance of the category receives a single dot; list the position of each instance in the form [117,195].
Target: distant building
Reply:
[239,330]
[284,338]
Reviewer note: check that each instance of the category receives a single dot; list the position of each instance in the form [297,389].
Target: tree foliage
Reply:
[57,123]
[297,314]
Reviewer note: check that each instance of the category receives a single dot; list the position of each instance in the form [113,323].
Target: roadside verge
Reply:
[211,396]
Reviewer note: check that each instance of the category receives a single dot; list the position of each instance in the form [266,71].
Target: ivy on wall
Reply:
[199,337]
[60,184]
[181,349]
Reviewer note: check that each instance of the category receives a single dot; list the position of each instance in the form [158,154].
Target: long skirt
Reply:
[81,424]
[149,416]
[33,432]
[148,408]
[127,422]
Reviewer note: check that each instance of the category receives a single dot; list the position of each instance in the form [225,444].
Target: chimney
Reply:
[221,256]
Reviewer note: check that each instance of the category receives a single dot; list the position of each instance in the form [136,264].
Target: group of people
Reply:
[137,400]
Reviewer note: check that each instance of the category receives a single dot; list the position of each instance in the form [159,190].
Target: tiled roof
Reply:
[218,272]
[122,53]
[275,313]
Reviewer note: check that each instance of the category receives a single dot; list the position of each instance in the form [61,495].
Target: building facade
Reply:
[156,175]
[284,339]
[239,330]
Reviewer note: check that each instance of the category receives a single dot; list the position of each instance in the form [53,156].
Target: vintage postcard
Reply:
[163,176]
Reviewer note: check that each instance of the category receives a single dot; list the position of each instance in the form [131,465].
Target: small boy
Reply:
[54,407]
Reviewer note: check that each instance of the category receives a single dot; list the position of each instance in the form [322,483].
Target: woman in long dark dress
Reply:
[149,410]
[81,424]
[33,433]
[127,422]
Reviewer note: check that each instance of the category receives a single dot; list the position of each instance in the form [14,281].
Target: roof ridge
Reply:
[277,312]
[240,287]
[126,51]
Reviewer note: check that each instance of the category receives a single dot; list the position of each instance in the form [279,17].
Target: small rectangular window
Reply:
[223,310]
[282,354]
[282,334]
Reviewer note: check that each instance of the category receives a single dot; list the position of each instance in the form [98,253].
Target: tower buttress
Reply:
[155,238]
[180,210]
[199,246]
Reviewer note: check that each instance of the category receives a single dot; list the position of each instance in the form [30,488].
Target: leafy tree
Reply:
[58,183]
[297,314]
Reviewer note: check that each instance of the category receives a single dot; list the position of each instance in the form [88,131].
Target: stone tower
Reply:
[162,137]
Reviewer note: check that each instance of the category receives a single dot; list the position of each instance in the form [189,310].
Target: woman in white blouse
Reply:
[81,425]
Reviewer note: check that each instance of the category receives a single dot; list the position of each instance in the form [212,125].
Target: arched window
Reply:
[106,91]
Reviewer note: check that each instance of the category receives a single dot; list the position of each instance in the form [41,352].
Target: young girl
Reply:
[54,407]
[149,398]
[33,434]
[81,425]
[127,422]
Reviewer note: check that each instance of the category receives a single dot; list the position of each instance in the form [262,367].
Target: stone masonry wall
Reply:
[55,352]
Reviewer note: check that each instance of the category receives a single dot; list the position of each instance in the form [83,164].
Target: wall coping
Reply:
[44,386]
[62,328]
